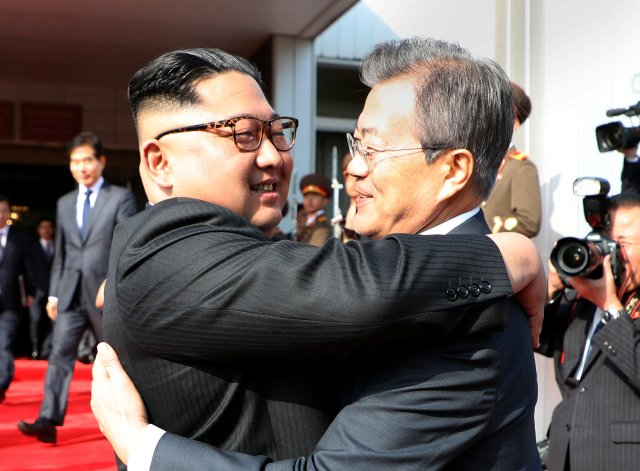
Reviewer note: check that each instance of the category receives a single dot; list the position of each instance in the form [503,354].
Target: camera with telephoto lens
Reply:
[583,257]
[615,136]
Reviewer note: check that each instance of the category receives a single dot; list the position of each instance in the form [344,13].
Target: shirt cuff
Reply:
[52,298]
[632,160]
[144,447]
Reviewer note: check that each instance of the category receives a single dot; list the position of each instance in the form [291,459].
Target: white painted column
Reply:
[294,94]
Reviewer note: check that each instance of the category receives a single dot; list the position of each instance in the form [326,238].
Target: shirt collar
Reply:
[95,188]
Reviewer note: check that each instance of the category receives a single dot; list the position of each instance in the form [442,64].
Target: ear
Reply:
[457,166]
[154,163]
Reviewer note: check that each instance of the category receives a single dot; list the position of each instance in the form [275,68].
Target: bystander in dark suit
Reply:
[40,326]
[86,218]
[15,264]
[430,402]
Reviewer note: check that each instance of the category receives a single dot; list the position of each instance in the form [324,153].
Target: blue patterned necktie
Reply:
[86,213]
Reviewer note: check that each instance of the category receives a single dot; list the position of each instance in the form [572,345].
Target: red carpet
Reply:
[80,447]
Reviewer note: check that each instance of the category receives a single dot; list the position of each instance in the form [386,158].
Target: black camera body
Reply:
[583,257]
[615,136]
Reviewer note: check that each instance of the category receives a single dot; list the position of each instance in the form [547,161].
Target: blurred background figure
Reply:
[40,324]
[86,218]
[350,189]
[630,171]
[315,190]
[15,264]
[514,204]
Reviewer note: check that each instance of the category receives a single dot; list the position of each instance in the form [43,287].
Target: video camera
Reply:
[614,136]
[583,257]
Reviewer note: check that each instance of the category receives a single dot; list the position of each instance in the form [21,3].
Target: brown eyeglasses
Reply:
[248,131]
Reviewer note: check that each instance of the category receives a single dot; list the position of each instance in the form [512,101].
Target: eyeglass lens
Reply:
[248,133]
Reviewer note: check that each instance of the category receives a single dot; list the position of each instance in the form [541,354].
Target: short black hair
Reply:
[42,219]
[86,138]
[625,201]
[169,80]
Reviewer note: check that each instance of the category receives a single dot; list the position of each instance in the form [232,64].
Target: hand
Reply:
[52,309]
[527,277]
[629,152]
[100,295]
[554,284]
[116,403]
[602,291]
[498,224]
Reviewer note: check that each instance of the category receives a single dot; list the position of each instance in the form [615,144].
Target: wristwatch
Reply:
[606,316]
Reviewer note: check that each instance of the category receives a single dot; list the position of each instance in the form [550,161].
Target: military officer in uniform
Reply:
[316,228]
[514,204]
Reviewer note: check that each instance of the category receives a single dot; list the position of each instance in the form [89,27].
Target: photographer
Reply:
[592,330]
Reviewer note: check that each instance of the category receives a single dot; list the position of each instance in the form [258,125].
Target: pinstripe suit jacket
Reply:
[598,420]
[416,405]
[210,318]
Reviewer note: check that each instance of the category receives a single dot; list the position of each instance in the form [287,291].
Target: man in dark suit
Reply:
[594,339]
[394,395]
[85,218]
[42,255]
[15,248]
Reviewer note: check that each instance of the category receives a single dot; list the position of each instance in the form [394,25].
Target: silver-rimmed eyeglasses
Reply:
[358,149]
[248,131]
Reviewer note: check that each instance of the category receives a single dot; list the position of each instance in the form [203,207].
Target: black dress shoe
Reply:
[87,359]
[42,429]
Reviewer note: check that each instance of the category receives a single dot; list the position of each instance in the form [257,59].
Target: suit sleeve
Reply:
[57,265]
[223,297]
[619,341]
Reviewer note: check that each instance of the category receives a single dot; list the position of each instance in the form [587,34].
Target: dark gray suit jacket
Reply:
[87,260]
[598,419]
[16,261]
[419,404]
[212,320]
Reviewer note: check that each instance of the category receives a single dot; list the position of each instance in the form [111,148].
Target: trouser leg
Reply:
[35,314]
[8,331]
[67,330]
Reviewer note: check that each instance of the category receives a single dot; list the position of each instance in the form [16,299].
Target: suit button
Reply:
[474,289]
[582,389]
[485,287]
[452,294]
[463,291]
[567,427]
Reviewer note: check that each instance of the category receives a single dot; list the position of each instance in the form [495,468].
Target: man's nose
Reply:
[268,155]
[358,167]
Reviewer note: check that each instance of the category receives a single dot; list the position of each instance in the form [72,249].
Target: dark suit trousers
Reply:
[8,331]
[40,326]
[67,332]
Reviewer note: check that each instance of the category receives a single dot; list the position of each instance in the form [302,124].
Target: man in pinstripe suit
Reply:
[594,340]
